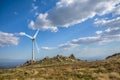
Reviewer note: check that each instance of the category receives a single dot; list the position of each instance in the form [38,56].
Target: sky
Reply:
[86,28]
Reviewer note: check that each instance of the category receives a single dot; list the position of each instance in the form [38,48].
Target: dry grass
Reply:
[65,69]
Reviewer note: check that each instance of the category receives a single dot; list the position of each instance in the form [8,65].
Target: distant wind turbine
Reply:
[33,38]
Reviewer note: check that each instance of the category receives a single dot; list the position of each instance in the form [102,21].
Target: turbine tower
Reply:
[33,38]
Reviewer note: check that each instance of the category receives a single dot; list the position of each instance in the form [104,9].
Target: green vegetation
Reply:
[65,68]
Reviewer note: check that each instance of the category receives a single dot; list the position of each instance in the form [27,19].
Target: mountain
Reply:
[65,68]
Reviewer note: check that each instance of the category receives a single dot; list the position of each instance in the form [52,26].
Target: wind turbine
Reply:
[33,38]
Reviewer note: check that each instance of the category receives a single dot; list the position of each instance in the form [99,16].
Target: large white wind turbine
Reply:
[33,38]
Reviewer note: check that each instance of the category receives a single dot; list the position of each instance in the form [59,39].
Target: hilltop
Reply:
[115,56]
[59,59]
[65,68]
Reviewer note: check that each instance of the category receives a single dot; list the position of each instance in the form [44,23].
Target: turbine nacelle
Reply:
[33,38]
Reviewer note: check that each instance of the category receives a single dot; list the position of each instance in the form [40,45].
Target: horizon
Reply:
[87,29]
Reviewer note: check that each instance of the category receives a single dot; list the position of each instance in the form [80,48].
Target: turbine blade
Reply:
[36,33]
[38,49]
[28,36]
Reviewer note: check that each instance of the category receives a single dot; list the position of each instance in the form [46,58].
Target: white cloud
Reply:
[34,7]
[70,12]
[7,39]
[87,40]
[42,23]
[108,23]
[67,46]
[112,25]
[100,39]
[91,40]
[84,41]
[112,33]
[99,32]
[105,37]
[48,48]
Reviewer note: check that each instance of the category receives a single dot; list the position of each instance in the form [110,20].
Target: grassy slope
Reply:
[64,68]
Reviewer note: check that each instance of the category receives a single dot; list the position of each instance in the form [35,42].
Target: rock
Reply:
[72,56]
[29,62]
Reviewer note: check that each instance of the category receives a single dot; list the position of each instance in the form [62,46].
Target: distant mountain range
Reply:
[10,63]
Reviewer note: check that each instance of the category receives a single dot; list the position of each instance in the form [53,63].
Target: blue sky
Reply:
[87,29]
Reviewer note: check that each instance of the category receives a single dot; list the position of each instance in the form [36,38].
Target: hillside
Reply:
[65,68]
[115,56]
